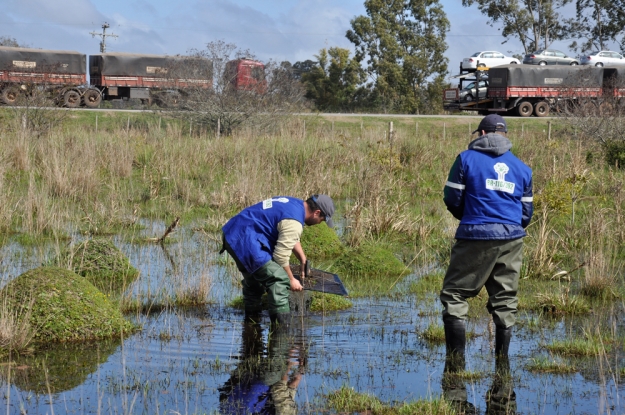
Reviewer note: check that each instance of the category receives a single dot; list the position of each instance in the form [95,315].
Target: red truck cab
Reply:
[246,75]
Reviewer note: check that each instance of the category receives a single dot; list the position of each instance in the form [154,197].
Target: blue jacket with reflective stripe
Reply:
[490,191]
[252,234]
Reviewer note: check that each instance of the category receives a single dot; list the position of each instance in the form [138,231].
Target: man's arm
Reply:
[527,201]
[454,189]
[289,232]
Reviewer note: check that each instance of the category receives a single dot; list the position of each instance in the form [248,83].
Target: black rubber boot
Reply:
[502,344]
[502,341]
[455,341]
[280,321]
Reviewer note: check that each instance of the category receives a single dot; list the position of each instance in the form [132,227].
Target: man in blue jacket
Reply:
[490,191]
[261,238]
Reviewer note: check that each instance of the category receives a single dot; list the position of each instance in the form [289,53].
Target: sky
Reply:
[292,30]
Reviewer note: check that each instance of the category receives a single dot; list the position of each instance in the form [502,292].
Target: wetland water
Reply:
[202,360]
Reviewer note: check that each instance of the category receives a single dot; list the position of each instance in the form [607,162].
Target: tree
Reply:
[597,22]
[333,81]
[10,41]
[535,23]
[300,68]
[274,92]
[403,45]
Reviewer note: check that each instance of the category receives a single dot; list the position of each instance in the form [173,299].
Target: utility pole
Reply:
[103,35]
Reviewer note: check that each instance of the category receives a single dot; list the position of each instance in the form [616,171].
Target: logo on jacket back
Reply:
[500,184]
[267,204]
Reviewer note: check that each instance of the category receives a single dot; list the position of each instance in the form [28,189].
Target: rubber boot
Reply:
[455,341]
[502,344]
[280,321]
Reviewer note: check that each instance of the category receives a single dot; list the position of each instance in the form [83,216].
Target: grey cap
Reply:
[326,205]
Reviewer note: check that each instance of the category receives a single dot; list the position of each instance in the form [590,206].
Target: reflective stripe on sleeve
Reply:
[527,199]
[455,185]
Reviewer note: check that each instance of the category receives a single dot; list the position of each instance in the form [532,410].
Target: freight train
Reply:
[62,75]
[527,90]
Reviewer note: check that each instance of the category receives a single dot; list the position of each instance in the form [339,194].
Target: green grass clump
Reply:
[591,346]
[319,302]
[544,364]
[100,262]
[64,306]
[427,284]
[347,400]
[329,302]
[370,260]
[434,333]
[321,242]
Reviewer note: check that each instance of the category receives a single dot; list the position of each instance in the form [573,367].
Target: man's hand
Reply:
[295,285]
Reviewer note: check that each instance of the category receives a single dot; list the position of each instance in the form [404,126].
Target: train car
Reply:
[61,74]
[147,77]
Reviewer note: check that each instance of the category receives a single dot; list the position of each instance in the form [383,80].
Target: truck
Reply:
[527,90]
[246,75]
[61,75]
[150,78]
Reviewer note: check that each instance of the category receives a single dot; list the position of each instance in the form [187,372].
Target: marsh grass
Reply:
[435,333]
[347,400]
[589,345]
[16,330]
[550,364]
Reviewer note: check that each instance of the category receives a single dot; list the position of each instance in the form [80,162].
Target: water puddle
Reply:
[206,360]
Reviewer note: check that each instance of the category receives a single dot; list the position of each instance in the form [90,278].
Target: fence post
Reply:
[96,123]
[549,134]
[218,127]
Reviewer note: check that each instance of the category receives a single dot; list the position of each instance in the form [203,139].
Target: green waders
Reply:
[494,264]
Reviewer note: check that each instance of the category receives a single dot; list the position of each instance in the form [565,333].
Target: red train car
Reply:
[147,77]
[62,74]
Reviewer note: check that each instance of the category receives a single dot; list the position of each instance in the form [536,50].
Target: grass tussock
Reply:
[100,262]
[66,306]
[550,364]
[347,400]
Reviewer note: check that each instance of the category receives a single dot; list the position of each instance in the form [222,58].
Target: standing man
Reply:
[261,238]
[490,191]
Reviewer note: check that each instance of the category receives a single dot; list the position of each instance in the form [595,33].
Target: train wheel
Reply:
[525,109]
[541,109]
[92,98]
[9,95]
[71,99]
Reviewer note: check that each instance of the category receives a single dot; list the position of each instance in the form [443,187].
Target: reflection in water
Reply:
[500,398]
[60,368]
[266,378]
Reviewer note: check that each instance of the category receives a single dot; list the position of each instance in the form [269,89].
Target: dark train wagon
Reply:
[60,73]
[147,77]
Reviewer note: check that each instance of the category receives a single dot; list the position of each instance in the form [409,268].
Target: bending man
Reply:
[261,238]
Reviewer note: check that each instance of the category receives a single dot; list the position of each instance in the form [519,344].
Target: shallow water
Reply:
[182,358]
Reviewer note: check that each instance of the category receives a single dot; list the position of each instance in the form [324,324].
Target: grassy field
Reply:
[101,173]
[98,173]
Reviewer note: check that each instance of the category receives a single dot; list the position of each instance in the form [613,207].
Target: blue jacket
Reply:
[252,234]
[490,191]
